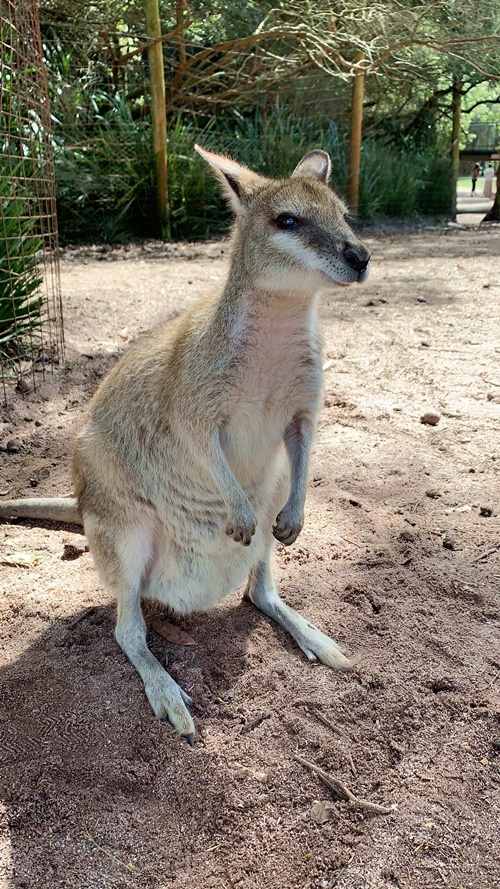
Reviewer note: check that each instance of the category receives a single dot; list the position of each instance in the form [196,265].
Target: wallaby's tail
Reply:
[46,509]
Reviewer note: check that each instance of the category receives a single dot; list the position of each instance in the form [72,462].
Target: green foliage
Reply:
[403,183]
[105,184]
[105,177]
[20,308]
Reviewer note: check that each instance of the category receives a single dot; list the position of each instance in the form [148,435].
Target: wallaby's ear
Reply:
[239,183]
[316,163]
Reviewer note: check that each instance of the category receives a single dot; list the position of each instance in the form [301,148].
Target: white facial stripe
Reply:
[292,245]
[333,268]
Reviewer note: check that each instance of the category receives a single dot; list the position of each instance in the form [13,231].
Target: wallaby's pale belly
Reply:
[197,564]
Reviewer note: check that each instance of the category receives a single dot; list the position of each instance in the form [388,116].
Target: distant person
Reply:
[476,169]
[489,175]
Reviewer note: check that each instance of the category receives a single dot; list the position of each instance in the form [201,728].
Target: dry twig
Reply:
[485,555]
[342,790]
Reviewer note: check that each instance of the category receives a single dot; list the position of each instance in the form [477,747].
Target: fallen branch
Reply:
[342,790]
[485,555]
[328,722]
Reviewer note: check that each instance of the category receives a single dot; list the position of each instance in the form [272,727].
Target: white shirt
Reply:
[489,173]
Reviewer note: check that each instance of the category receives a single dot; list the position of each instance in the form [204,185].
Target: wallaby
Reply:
[180,471]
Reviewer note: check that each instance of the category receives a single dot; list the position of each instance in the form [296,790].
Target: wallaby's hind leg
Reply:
[316,645]
[165,696]
[123,567]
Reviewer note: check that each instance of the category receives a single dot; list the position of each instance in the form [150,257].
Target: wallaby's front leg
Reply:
[241,520]
[298,441]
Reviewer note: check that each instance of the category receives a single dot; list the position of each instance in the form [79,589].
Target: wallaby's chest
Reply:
[280,374]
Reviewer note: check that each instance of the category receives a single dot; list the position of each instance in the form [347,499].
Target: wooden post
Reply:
[358,88]
[158,113]
[455,142]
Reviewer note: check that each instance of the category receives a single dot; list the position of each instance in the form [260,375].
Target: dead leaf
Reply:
[20,560]
[321,810]
[172,633]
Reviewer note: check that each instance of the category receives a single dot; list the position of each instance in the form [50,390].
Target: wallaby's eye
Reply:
[287,222]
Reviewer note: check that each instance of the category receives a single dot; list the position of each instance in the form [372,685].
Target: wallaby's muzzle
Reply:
[358,258]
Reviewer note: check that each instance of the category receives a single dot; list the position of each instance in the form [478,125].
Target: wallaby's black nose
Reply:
[357,257]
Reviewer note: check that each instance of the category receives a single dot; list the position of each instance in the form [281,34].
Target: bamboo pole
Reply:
[455,142]
[358,88]
[158,114]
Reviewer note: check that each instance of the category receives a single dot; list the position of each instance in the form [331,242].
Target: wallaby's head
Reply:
[293,232]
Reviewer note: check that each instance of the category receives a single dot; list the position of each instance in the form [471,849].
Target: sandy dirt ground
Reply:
[399,561]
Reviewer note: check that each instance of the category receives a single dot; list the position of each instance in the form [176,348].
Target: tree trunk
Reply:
[158,114]
[358,88]
[493,215]
[455,141]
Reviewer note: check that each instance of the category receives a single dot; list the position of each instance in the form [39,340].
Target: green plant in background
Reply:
[104,175]
[402,183]
[105,170]
[20,278]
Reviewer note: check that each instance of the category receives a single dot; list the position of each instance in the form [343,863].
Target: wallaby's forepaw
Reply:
[242,528]
[287,527]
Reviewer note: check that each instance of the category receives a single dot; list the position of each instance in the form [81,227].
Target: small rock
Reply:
[23,386]
[485,511]
[433,493]
[452,502]
[430,418]
[421,299]
[38,423]
[13,446]
[448,543]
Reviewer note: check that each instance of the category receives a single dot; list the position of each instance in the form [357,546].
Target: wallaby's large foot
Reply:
[315,644]
[169,701]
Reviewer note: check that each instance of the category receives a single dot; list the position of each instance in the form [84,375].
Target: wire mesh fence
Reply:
[31,322]
[264,102]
